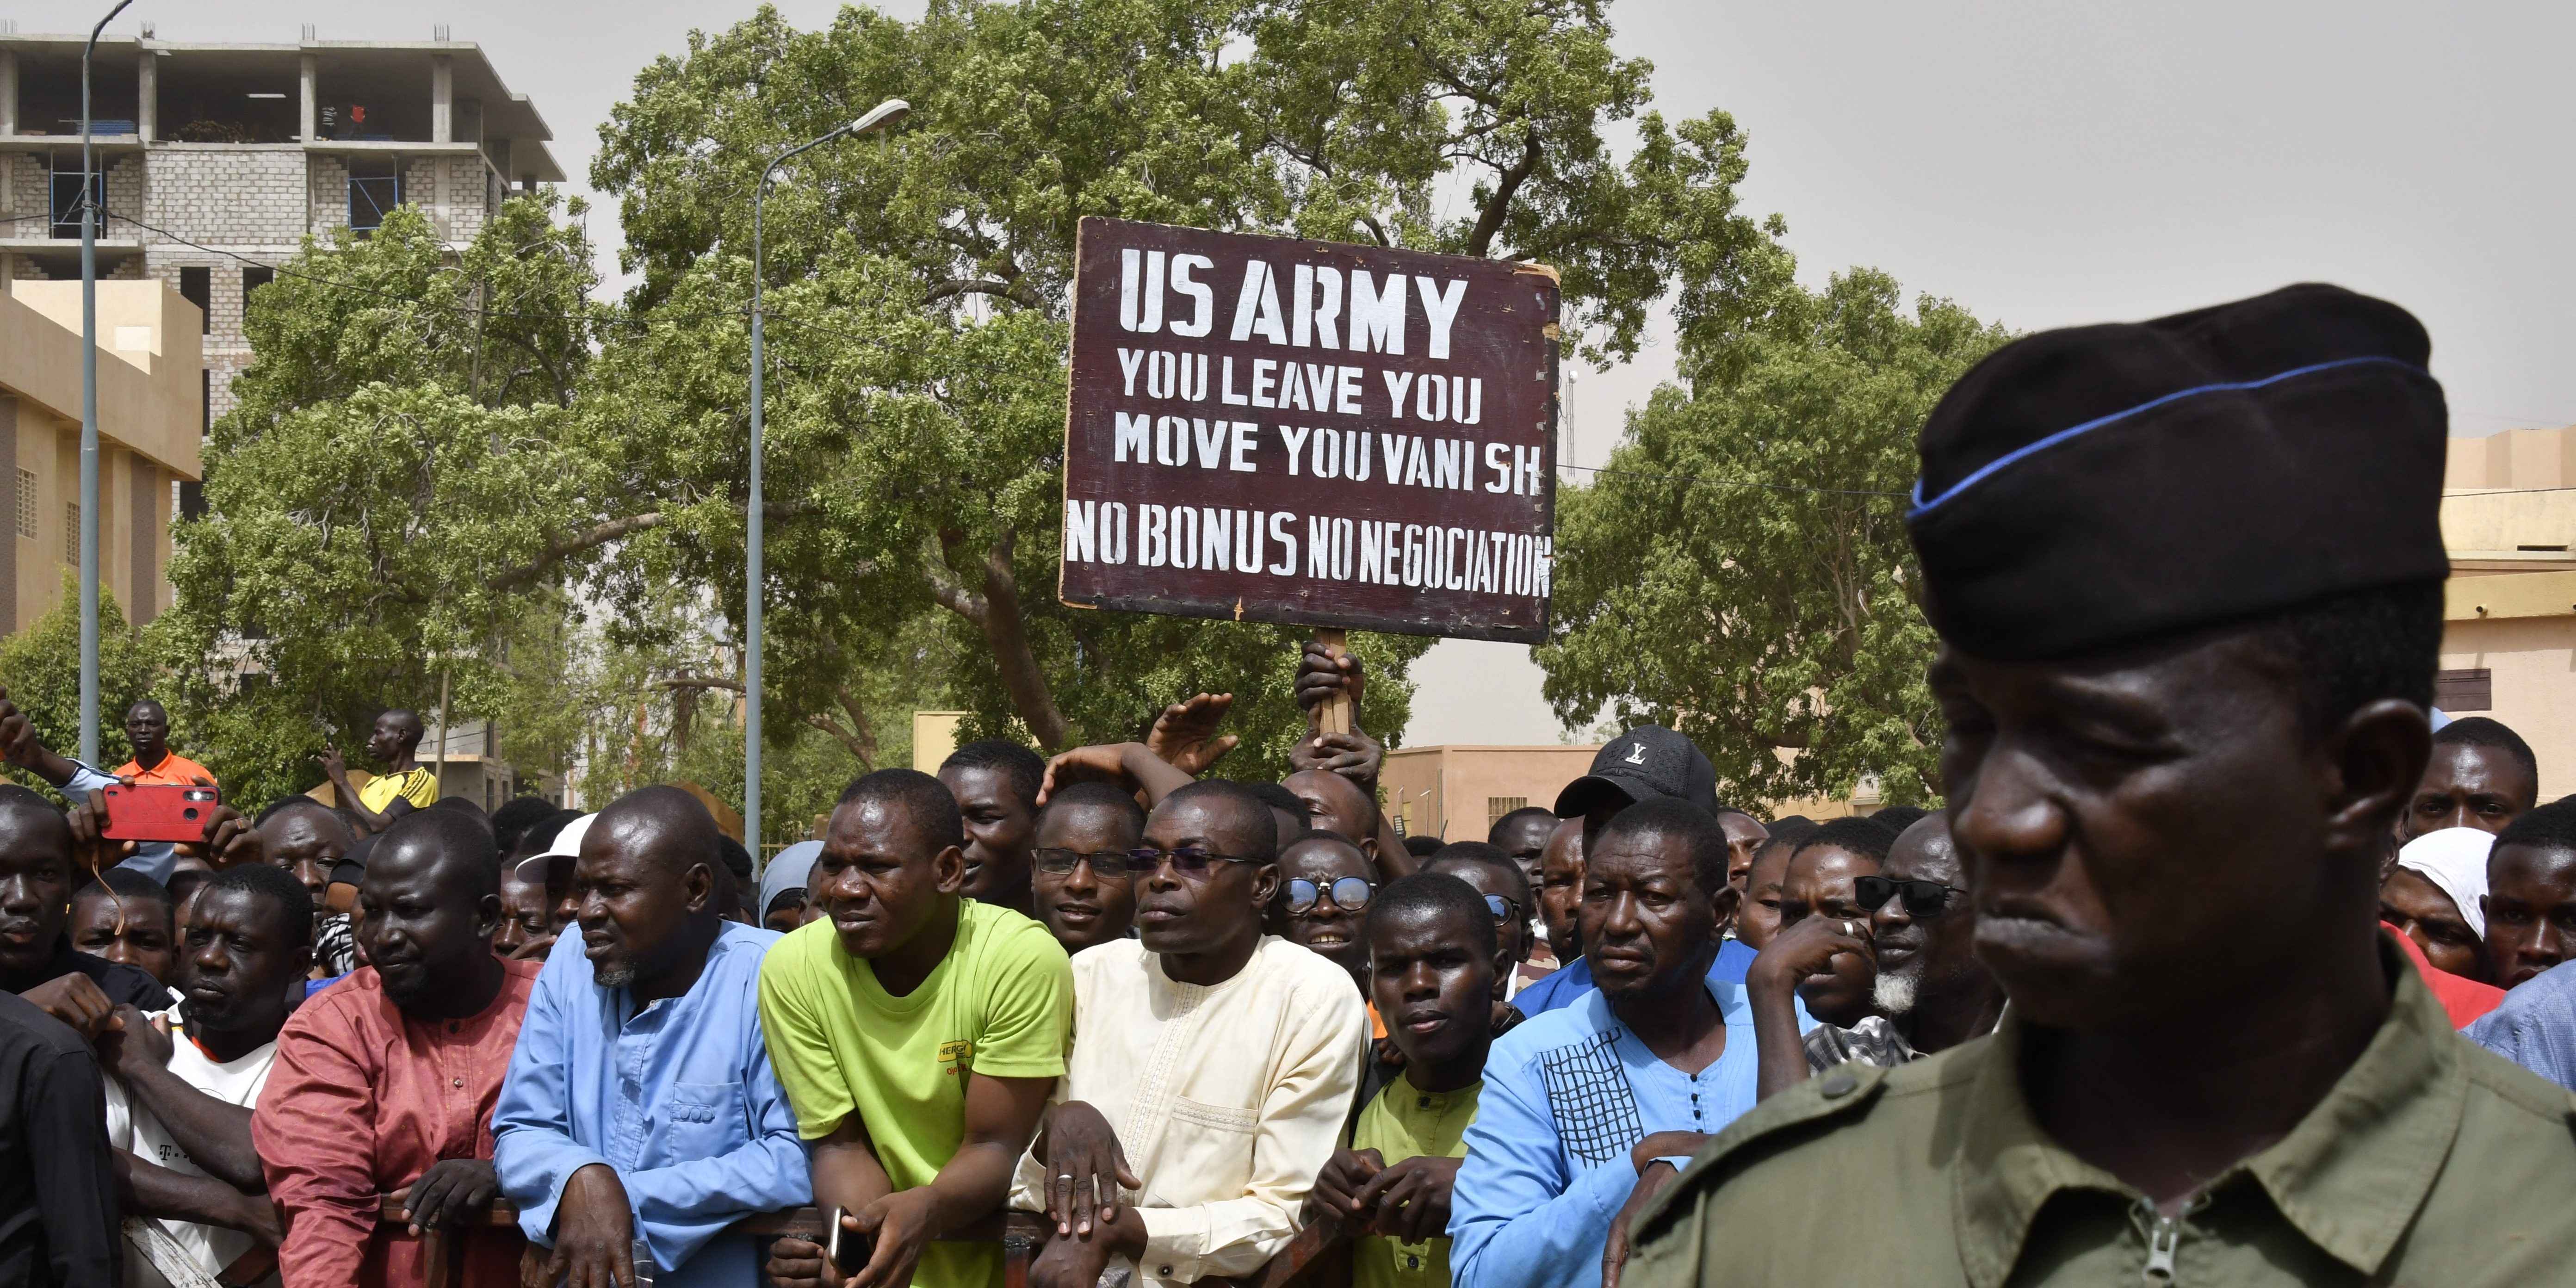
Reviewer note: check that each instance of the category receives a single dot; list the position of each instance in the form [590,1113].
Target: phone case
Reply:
[159,812]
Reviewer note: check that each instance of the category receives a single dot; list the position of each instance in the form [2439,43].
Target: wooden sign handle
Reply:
[1334,716]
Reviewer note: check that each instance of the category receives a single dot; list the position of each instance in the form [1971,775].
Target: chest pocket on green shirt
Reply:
[704,1119]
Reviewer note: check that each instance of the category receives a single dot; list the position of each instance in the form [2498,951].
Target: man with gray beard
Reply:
[1932,993]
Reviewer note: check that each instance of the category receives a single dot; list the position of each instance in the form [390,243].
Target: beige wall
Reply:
[2533,660]
[1448,791]
[149,411]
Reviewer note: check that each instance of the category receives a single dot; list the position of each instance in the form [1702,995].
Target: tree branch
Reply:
[1490,221]
[1017,292]
[590,538]
[699,682]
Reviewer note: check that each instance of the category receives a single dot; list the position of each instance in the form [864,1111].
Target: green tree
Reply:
[1740,571]
[917,285]
[40,667]
[402,475]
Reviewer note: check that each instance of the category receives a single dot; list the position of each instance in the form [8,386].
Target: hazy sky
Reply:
[2040,163]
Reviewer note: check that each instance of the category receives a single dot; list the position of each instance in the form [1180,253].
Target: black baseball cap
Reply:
[1641,764]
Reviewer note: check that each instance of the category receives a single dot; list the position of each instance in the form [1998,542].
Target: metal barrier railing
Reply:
[1021,1234]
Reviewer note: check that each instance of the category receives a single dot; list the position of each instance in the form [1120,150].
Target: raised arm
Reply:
[337,771]
[216,1135]
[1128,764]
[1771,985]
[20,746]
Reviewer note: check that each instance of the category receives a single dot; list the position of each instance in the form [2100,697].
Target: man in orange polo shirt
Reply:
[147,726]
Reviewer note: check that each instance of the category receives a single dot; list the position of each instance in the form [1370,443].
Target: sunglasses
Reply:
[1350,894]
[1505,911]
[1922,898]
[1188,860]
[1108,865]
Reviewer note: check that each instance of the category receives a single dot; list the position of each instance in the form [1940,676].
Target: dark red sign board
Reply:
[1276,430]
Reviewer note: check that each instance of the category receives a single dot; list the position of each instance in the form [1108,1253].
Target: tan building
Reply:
[2509,639]
[1457,793]
[148,416]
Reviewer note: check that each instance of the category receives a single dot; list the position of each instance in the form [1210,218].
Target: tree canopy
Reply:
[917,285]
[454,462]
[1740,571]
[398,475]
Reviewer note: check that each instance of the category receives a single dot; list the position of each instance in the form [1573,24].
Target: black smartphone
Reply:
[848,1249]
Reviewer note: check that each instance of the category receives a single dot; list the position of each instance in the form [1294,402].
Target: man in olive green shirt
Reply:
[2187,577]
[1434,962]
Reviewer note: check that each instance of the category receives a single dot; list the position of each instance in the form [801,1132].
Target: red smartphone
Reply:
[159,812]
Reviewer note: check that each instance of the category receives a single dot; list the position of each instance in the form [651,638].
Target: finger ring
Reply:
[1063,1182]
[1847,928]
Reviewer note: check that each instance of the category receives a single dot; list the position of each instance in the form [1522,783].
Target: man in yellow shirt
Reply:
[1434,958]
[403,787]
[917,1034]
[147,726]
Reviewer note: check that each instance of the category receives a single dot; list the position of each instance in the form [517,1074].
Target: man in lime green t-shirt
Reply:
[1433,969]
[917,1034]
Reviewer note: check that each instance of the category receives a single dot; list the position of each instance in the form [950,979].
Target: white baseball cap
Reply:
[567,845]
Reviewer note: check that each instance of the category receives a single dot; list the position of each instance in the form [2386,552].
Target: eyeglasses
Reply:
[1922,898]
[1350,894]
[1188,860]
[1505,911]
[1108,865]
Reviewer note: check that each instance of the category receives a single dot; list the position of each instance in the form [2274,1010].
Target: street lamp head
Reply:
[884,115]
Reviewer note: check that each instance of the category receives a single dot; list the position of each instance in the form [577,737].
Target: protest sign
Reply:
[1278,430]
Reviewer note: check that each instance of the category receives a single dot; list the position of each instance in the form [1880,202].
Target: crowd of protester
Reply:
[1636,1034]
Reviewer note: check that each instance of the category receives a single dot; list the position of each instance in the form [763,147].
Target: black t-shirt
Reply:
[57,1187]
[121,983]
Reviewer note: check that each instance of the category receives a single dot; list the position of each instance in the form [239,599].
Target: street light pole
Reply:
[882,116]
[89,414]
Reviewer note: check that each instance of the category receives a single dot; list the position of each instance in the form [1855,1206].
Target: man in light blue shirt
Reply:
[639,1103]
[1567,984]
[1590,1108]
[2536,1026]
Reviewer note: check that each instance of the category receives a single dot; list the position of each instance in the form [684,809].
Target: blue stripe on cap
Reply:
[1923,507]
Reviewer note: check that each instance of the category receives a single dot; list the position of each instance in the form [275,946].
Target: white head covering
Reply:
[2455,859]
[788,870]
[567,845]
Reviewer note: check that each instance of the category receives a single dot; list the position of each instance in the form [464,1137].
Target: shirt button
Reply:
[1838,1084]
[1164,1271]
[457,1081]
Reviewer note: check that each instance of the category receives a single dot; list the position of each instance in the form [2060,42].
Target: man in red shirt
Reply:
[147,726]
[385,1081]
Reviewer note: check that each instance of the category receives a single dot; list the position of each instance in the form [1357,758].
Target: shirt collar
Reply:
[2349,1177]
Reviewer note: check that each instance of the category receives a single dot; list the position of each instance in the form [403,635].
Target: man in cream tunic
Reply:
[1212,1066]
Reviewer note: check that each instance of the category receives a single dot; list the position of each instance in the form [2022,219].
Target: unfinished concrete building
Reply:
[215,161]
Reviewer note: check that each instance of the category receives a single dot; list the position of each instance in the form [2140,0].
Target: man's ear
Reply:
[2378,756]
[1265,885]
[1502,975]
[699,885]
[487,917]
[949,867]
